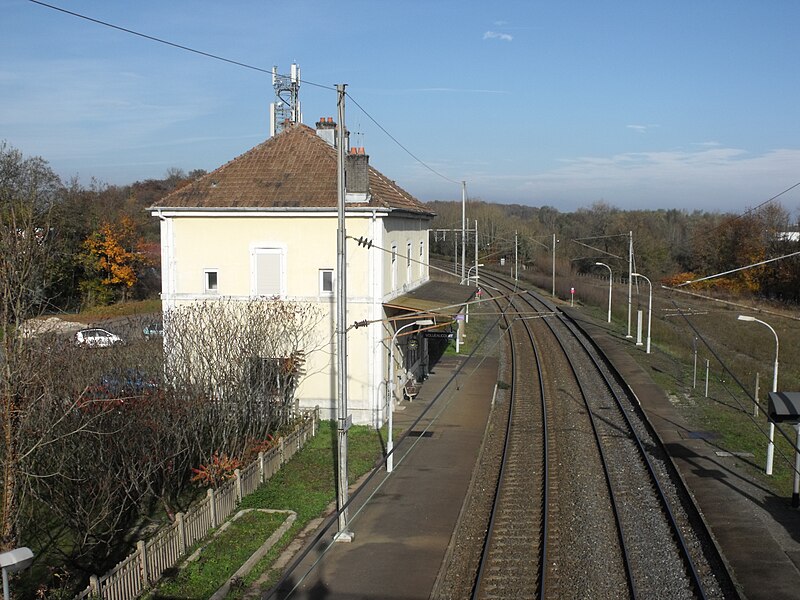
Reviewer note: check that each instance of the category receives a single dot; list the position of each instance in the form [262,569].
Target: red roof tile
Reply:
[294,169]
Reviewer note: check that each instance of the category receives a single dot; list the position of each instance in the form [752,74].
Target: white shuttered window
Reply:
[268,273]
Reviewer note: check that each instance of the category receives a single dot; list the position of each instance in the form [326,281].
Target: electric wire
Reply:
[396,141]
[246,66]
[708,232]
[172,44]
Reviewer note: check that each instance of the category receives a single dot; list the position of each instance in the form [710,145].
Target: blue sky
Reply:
[639,104]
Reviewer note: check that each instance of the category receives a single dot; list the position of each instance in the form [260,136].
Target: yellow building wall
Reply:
[225,244]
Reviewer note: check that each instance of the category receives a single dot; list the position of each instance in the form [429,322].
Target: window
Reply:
[325,282]
[394,267]
[408,262]
[211,278]
[268,272]
[421,260]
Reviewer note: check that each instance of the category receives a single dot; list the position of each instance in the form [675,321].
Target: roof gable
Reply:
[294,169]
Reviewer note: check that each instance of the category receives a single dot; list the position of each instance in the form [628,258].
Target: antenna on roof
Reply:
[286,108]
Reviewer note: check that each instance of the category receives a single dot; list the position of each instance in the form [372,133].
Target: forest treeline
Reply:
[669,245]
[105,245]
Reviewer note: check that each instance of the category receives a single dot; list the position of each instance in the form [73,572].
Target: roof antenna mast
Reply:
[286,108]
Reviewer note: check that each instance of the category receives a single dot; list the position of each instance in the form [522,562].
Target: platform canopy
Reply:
[784,406]
[432,299]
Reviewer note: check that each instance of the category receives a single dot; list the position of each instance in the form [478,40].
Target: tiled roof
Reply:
[294,169]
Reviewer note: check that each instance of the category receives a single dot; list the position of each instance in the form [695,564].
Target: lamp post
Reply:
[610,282]
[390,403]
[771,446]
[649,308]
[554,265]
[13,561]
[476,273]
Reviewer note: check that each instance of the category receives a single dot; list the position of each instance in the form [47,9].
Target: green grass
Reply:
[222,556]
[305,485]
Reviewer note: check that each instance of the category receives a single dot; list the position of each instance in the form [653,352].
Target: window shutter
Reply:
[268,273]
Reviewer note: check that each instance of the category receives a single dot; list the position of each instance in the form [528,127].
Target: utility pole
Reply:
[343,419]
[554,265]
[516,268]
[463,229]
[476,252]
[630,280]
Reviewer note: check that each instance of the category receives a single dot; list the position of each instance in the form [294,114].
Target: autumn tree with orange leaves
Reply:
[113,257]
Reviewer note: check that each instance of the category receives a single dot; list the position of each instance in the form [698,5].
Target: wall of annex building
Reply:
[402,236]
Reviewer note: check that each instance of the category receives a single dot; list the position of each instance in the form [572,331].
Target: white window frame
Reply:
[394,267]
[421,259]
[409,274]
[322,290]
[207,289]
[255,251]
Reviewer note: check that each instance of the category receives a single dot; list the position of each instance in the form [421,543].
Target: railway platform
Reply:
[402,533]
[757,531]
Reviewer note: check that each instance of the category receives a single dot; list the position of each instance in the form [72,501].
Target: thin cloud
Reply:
[436,90]
[642,128]
[712,178]
[493,35]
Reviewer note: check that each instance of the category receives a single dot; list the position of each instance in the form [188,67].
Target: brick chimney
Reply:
[356,176]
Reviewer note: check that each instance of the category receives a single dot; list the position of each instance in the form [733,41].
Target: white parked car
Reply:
[96,338]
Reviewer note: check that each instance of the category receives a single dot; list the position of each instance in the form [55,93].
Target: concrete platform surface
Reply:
[402,523]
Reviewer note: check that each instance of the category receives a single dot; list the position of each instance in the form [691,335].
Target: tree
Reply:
[113,255]
[28,191]
[246,358]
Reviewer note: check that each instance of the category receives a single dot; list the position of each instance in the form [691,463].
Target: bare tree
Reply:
[28,191]
[239,364]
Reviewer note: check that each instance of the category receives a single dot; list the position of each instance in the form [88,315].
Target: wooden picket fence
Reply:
[143,568]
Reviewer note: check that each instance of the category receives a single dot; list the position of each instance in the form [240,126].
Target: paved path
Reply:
[402,534]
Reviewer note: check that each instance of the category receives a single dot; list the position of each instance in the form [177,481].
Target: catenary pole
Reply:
[630,280]
[341,330]
[476,252]
[463,228]
[554,265]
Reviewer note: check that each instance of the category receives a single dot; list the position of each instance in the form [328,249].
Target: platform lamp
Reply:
[389,441]
[649,307]
[771,446]
[610,283]
[13,561]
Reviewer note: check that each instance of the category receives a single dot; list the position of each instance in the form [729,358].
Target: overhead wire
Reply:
[396,141]
[728,221]
[246,66]
[172,44]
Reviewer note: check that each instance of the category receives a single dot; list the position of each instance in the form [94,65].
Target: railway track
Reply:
[586,504]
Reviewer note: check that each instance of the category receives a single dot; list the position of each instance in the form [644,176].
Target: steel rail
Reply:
[487,542]
[665,505]
[676,530]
